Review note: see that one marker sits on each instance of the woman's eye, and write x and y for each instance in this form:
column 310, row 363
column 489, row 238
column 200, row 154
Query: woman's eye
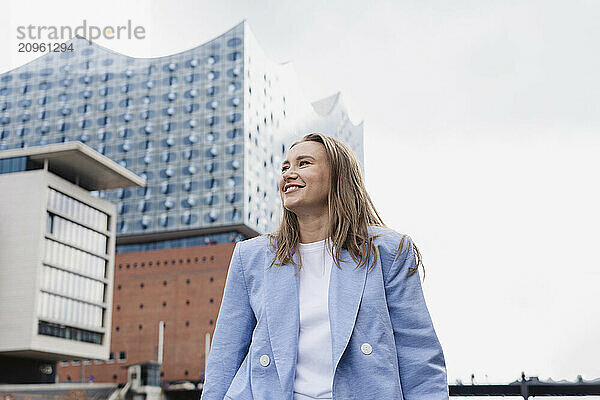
column 301, row 162
column 283, row 169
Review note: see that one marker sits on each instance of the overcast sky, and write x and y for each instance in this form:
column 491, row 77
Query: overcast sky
column 481, row 142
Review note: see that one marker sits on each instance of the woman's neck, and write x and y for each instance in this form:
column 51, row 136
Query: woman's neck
column 313, row 227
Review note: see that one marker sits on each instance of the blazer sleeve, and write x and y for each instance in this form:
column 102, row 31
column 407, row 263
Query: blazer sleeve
column 421, row 361
column 233, row 332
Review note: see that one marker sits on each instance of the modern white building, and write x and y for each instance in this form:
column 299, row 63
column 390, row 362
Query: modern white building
column 57, row 252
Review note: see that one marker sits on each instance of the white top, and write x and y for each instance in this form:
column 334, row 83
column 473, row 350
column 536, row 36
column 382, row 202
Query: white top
column 314, row 369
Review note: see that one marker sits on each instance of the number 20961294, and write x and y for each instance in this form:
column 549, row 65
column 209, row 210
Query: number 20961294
column 26, row 47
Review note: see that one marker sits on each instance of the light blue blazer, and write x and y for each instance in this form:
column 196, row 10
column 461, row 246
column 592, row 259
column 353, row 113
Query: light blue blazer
column 255, row 343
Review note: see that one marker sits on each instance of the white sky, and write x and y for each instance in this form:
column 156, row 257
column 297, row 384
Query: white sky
column 481, row 142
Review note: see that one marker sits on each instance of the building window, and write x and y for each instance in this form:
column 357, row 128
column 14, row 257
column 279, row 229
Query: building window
column 122, row 356
column 67, row 332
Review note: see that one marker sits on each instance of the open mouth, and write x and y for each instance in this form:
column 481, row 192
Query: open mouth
column 291, row 188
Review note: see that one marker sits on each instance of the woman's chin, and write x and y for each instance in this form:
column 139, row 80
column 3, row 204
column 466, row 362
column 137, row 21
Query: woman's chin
column 291, row 206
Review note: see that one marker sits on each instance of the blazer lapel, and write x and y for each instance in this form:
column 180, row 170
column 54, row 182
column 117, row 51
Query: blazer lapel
column 346, row 286
column 283, row 318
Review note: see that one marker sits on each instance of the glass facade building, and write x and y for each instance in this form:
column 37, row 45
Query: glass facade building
column 206, row 129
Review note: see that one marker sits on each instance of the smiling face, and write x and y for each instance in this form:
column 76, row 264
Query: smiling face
column 305, row 179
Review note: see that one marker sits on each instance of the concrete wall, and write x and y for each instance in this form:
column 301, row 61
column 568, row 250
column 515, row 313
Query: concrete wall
column 22, row 221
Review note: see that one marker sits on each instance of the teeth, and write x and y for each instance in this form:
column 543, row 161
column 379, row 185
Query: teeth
column 291, row 187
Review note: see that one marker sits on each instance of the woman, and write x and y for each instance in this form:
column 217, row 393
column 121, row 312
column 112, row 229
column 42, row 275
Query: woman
column 329, row 306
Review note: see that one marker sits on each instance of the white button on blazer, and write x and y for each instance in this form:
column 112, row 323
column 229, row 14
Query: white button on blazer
column 265, row 360
column 366, row 348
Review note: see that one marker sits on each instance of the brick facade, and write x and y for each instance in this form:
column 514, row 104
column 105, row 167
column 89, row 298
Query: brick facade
column 182, row 287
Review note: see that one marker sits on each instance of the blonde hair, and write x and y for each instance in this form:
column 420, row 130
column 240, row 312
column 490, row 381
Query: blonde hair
column 351, row 211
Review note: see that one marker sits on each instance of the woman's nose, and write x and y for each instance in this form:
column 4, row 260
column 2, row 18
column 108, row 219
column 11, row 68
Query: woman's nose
column 289, row 173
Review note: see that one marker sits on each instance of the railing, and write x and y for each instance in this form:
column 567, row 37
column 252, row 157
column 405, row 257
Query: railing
column 529, row 387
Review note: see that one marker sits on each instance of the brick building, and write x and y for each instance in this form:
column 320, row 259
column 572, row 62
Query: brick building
column 180, row 286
